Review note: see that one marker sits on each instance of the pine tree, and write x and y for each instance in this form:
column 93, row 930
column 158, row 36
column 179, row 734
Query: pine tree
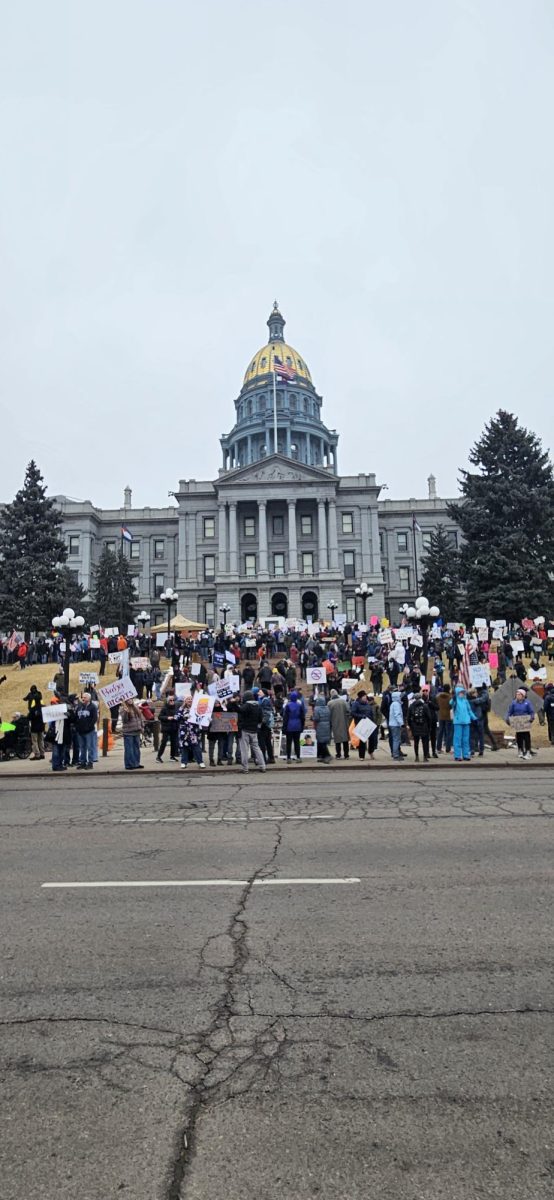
column 68, row 593
column 441, row 574
column 32, row 548
column 114, row 598
column 506, row 514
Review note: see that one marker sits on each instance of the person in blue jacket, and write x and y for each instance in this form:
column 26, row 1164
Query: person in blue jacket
column 462, row 716
column 294, row 716
column 522, row 707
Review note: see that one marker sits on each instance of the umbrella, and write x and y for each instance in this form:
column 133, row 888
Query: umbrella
column 179, row 624
column 5, row 727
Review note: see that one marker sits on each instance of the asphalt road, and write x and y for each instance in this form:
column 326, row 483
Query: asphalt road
column 387, row 1039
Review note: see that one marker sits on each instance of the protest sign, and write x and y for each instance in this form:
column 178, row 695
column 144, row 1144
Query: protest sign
column 218, row 659
column 416, row 639
column 399, row 655
column 404, row 633
column 182, row 690
column 316, row 675
column 124, row 662
column 517, row 646
column 140, row 664
column 161, row 639
column 358, row 660
column 340, row 618
column 345, row 665
column 527, row 623
column 520, row 724
column 94, row 643
column 224, row 722
column 94, row 628
column 385, row 637
column 115, row 656
column 131, row 630
column 88, row 677
column 347, row 684
column 479, row 674
column 53, row 712
column 201, row 709
column 483, row 635
column 480, row 623
column 364, row 729
column 230, row 658
column 223, row 688
column 540, row 674
column 551, row 633
column 112, row 632
column 51, row 686
column 195, row 668
column 250, row 643
column 493, row 660
column 234, row 680
column 118, row 691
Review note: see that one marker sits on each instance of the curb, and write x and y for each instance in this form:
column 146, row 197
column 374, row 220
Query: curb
column 294, row 769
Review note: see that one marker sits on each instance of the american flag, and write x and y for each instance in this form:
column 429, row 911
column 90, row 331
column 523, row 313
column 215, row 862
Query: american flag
column 465, row 674
column 283, row 371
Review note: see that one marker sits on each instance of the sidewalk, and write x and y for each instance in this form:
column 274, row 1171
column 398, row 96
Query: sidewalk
column 113, row 765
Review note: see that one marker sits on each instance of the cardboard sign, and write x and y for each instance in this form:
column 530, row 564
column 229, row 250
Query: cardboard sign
column 118, row 691
column 88, row 677
column 520, row 724
column 53, row 712
column 115, row 656
column 347, row 684
column 140, row 664
column 517, row 647
column 364, row 729
column 480, row 674
column 195, row 668
column 316, row 675
column 416, row 639
column 223, row 722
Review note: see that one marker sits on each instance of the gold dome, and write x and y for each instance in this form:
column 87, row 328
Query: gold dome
column 262, row 363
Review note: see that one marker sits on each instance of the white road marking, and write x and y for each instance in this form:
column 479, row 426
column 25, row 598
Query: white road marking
column 204, row 820
column 193, row 883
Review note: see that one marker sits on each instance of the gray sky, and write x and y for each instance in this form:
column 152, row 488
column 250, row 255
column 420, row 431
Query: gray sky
column 169, row 168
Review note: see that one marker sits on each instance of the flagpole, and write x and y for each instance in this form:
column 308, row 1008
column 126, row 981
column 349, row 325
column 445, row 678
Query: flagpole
column 274, row 410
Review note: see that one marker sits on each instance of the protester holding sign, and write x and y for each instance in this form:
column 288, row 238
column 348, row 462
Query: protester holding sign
column 132, row 725
column 520, row 717
column 170, row 730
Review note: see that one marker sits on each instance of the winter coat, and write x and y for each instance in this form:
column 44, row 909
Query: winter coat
column 521, row 708
column 85, row 718
column 250, row 714
column 396, row 712
column 419, row 718
column 361, row 709
column 340, row 718
column 294, row 715
column 443, row 701
column 168, row 717
column 322, row 720
column 462, row 711
column 131, row 722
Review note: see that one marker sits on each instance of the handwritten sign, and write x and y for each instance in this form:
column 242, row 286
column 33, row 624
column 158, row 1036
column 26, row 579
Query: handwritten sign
column 140, row 664
column 54, row 712
column 117, row 692
column 115, row 656
column 88, row 677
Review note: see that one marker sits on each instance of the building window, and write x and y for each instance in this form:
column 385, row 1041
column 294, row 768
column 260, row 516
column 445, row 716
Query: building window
column 159, row 548
column 73, row 543
column 404, row 575
column 307, row 562
column 426, row 540
column 350, row 608
column 349, row 564
column 209, row 527
column 453, row 538
column 158, row 584
column 249, row 526
column 347, row 523
column 209, row 568
column 250, row 565
column 278, row 526
column 136, row 583
column 402, row 541
column 278, row 564
column 209, row 613
column 306, row 526
column 382, row 543
column 134, row 549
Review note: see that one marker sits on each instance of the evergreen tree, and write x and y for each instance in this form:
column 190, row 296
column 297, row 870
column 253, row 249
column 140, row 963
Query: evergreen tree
column 114, row 598
column 506, row 514
column 441, row 574
column 32, row 548
column 68, row 593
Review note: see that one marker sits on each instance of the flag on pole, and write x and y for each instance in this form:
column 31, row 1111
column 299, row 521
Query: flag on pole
column 415, row 523
column 282, row 370
column 465, row 676
column 126, row 534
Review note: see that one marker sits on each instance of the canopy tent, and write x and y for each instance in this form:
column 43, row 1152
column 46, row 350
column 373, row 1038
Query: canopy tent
column 179, row 624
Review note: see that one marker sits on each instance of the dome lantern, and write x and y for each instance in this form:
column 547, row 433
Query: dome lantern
column 276, row 324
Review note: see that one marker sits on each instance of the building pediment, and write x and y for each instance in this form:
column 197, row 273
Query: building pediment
column 276, row 469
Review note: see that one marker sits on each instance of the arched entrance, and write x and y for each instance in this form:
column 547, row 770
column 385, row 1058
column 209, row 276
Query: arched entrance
column 249, row 607
column 279, row 605
column 309, row 606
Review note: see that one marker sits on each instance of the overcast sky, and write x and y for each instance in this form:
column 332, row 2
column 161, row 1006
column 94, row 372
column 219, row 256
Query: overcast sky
column 169, row 168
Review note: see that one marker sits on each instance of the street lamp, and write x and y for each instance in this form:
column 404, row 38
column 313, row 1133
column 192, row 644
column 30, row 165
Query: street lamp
column 332, row 606
column 169, row 597
column 403, row 609
column 364, row 591
column 423, row 613
column 66, row 623
column 142, row 618
column 224, row 608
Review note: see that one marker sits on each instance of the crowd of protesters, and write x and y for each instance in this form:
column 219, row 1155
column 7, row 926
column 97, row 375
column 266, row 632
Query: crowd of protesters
column 405, row 701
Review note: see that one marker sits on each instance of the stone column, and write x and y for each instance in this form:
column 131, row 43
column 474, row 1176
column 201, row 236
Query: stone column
column 182, row 552
column 322, row 535
column 287, row 446
column 366, row 563
column 293, row 548
column 376, row 549
column 308, row 449
column 192, row 565
column 262, row 536
column 222, row 539
column 146, row 580
column 333, row 537
column 85, row 572
column 233, row 539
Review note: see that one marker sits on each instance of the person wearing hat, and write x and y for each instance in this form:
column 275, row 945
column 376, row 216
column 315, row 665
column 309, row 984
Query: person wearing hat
column 522, row 707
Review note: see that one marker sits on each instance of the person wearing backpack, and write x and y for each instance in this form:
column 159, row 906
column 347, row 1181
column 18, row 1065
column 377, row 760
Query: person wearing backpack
column 419, row 720
column 265, row 732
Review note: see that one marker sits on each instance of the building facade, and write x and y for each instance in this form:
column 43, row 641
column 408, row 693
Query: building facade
column 279, row 532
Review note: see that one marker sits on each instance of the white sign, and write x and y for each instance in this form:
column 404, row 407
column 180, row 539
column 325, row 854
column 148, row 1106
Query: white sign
column 364, row 729
column 416, row 639
column 385, row 637
column 551, row 633
column 195, row 668
column 403, row 633
column 118, row 691
column 234, row 680
column 223, row 689
column 51, row 687
column 347, row 684
column 483, row 635
column 94, row 628
column 517, row 647
column 480, row 674
column 94, row 643
column 340, row 618
column 480, row 623
column 131, row 630
column 230, row 658
column 115, row 656
column 182, row 690
column 53, row 712
column 88, row 677
column 540, row 674
column 316, row 675
column 399, row 655
column 250, row 643
column 140, row 664
column 113, row 632
column 161, row 639
column 201, row 709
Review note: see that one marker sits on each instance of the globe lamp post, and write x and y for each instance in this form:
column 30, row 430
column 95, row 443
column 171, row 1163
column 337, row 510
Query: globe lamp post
column 364, row 591
column 224, row 610
column 424, row 613
column 67, row 624
column 332, row 606
column 169, row 597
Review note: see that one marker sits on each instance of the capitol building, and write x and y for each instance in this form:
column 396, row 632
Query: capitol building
column 278, row 532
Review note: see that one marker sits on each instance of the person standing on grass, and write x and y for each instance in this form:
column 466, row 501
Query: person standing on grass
column 132, row 725
column 522, row 707
column 462, row 716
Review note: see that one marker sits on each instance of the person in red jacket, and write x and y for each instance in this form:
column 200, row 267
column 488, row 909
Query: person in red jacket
column 22, row 654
